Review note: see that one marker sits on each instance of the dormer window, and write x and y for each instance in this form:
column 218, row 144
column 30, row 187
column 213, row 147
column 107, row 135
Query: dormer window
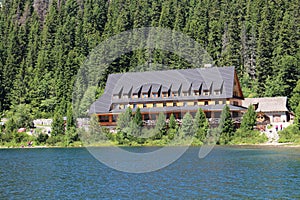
column 196, row 93
column 165, row 94
column 145, row 95
column 125, row 96
column 206, row 92
column 217, row 92
column 155, row 95
column 135, row 96
column 175, row 94
column 115, row 96
column 185, row 94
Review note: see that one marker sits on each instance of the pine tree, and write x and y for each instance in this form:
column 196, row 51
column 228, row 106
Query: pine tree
column 297, row 116
column 172, row 122
column 226, row 126
column 138, row 117
column 57, row 126
column 264, row 50
column 201, row 124
column 70, row 118
column 124, row 119
column 160, row 126
column 187, row 126
column 249, row 119
column 295, row 99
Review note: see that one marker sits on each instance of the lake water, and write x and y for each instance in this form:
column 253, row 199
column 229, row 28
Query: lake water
column 226, row 173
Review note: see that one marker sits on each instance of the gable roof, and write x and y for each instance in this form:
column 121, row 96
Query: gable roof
column 212, row 78
column 267, row 104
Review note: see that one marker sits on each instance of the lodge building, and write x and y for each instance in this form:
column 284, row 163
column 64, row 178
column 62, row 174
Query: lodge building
column 171, row 91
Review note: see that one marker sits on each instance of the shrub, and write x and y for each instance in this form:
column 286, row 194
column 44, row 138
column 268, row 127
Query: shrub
column 289, row 134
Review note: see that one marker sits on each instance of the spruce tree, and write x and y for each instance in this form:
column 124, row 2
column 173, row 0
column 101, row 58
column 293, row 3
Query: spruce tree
column 249, row 119
column 172, row 122
column 124, row 119
column 201, row 124
column 187, row 126
column 226, row 126
column 295, row 99
column 160, row 126
column 57, row 126
column 138, row 117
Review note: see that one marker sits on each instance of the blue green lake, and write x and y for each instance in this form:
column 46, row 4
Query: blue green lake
column 226, row 173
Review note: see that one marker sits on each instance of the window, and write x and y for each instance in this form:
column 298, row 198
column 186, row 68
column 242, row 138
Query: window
column 175, row 94
column 146, row 117
column 125, row 96
column 206, row 92
column 164, row 104
column 217, row 92
column 206, row 103
column 154, row 95
column 208, row 114
column 135, row 96
column 115, row 96
column 195, row 103
column 235, row 103
column 134, row 105
column 165, row 94
column 153, row 116
column 184, row 103
column 174, row 104
column 104, row 118
column 235, row 114
column 145, row 95
column 196, row 93
column 154, row 105
column 217, row 114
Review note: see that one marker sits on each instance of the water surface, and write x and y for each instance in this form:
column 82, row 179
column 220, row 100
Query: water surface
column 226, row 173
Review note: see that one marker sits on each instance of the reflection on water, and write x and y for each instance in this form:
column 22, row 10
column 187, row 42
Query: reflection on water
column 226, row 173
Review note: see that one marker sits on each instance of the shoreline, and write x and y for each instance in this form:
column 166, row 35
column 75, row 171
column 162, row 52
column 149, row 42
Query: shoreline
column 274, row 145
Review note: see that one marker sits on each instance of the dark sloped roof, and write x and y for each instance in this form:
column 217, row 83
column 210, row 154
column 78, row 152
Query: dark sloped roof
column 214, row 77
column 267, row 104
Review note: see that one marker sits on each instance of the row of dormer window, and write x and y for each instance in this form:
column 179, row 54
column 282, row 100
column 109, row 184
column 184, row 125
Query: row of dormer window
column 166, row 94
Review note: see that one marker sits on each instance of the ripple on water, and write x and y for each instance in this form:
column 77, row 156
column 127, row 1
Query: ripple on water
column 226, row 173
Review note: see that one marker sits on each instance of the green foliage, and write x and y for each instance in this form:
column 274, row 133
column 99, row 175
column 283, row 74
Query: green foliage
column 93, row 135
column 187, row 126
column 249, row 119
column 226, row 126
column 248, row 137
column 19, row 117
column 289, row 134
column 160, row 126
column 41, row 52
column 57, row 126
column 295, row 99
column 42, row 138
column 124, row 119
column 172, row 122
column 201, row 125
column 297, row 116
column 137, row 119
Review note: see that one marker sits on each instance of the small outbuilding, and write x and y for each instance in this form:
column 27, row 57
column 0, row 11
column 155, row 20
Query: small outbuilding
column 270, row 110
